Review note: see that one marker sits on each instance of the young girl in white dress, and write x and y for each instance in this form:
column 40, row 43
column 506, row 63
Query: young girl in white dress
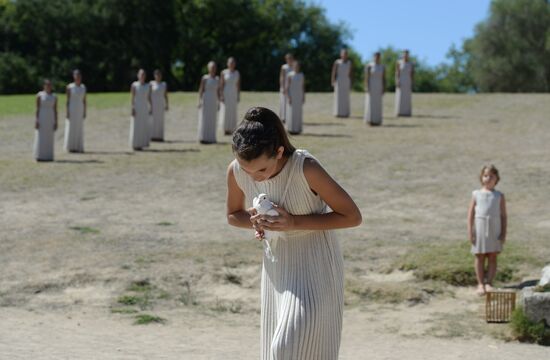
column 295, row 91
column 487, row 222
column 159, row 105
column 140, row 127
column 283, row 76
column 46, row 123
column 302, row 286
column 342, row 73
column 230, row 94
column 208, row 105
column 76, row 113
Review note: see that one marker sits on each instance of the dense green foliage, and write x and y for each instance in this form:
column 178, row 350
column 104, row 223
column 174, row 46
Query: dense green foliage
column 527, row 331
column 110, row 39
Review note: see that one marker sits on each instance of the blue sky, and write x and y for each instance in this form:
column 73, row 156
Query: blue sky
column 426, row 27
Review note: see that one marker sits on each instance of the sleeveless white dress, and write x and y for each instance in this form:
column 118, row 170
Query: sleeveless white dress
column 228, row 108
column 44, row 135
column 488, row 225
column 208, row 110
column 140, row 127
column 282, row 98
column 403, row 93
column 342, row 89
column 158, row 105
column 373, row 101
column 302, row 293
column 74, row 125
column 295, row 108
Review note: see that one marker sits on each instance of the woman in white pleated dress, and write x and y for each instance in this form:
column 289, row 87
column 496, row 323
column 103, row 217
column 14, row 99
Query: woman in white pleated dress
column 159, row 105
column 404, row 79
column 208, row 105
column 230, row 94
column 46, row 123
column 375, row 85
column 342, row 73
column 140, row 128
column 76, row 113
column 302, row 284
column 296, row 95
column 283, row 75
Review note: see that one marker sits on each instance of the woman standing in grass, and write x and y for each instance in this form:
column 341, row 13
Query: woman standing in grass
column 375, row 83
column 283, row 76
column 159, row 105
column 404, row 79
column 230, row 93
column 46, row 123
column 302, row 286
column 487, row 222
column 341, row 82
column 295, row 91
column 76, row 113
column 208, row 105
column 140, row 129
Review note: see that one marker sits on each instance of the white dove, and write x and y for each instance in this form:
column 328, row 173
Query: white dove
column 264, row 206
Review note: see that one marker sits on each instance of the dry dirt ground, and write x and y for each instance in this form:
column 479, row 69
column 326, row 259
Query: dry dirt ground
column 92, row 241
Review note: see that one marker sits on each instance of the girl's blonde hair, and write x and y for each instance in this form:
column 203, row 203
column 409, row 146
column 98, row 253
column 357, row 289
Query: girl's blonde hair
column 492, row 169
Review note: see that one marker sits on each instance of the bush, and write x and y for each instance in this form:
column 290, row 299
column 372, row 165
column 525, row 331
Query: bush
column 526, row 330
column 17, row 75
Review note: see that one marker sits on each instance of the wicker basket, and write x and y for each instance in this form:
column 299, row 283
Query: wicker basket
column 499, row 306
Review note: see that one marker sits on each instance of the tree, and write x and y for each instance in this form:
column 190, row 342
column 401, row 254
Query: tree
column 510, row 51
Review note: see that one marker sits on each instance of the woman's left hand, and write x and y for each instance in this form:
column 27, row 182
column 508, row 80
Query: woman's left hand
column 283, row 222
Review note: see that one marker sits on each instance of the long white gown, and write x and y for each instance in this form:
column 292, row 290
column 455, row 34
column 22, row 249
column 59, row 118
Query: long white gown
column 342, row 89
column 208, row 110
column 302, row 293
column 282, row 97
column 74, row 125
column 140, row 128
column 373, row 101
column 403, row 93
column 228, row 108
column 295, row 107
column 158, row 104
column 44, row 135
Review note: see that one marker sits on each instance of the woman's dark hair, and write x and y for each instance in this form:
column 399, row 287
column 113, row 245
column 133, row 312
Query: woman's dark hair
column 260, row 132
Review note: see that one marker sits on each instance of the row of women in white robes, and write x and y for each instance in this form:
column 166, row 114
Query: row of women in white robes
column 149, row 104
column 342, row 79
column 218, row 93
column 46, row 119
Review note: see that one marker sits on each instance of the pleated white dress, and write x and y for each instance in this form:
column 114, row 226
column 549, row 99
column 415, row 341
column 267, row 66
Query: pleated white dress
column 488, row 225
column 282, row 97
column 208, row 110
column 140, row 127
column 302, row 293
column 296, row 106
column 74, row 125
column 228, row 108
column 158, row 104
column 403, row 93
column 342, row 89
column 373, row 101
column 44, row 135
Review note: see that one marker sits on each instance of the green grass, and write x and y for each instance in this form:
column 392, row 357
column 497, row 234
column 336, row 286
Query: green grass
column 142, row 301
column 526, row 330
column 140, row 286
column 144, row 319
column 85, row 229
column 452, row 263
column 165, row 223
column 123, row 311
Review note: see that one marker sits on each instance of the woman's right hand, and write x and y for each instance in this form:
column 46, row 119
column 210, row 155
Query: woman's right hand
column 473, row 239
column 259, row 232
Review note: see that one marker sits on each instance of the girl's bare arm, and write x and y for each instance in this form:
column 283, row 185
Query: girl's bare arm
column 237, row 215
column 345, row 212
column 471, row 217
column 503, row 219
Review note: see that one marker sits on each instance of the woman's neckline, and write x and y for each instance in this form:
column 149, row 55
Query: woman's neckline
column 283, row 168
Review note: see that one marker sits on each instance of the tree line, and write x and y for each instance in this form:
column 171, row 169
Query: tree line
column 109, row 40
